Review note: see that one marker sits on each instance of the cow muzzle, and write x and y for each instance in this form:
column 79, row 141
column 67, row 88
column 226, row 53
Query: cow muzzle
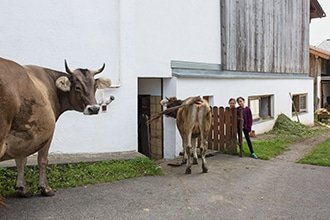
column 91, row 110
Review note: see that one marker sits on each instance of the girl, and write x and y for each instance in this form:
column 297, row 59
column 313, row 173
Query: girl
column 247, row 123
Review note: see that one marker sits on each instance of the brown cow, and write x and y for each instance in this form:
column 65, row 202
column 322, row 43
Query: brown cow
column 193, row 119
column 32, row 98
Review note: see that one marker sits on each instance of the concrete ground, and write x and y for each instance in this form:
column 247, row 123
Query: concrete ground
column 234, row 188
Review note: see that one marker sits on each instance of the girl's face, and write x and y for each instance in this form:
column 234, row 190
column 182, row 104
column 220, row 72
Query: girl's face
column 232, row 104
column 241, row 102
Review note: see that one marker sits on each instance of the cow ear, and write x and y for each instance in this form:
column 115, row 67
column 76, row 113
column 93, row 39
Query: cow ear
column 102, row 83
column 63, row 83
column 164, row 102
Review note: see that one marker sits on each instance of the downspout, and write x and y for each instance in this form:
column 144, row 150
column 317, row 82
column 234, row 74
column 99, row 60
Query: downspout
column 121, row 46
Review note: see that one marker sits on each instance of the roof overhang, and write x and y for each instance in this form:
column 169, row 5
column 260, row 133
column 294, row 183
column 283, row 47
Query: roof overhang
column 316, row 10
column 319, row 52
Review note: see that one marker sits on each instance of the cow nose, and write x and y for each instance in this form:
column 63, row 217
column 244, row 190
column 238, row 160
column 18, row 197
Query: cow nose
column 92, row 110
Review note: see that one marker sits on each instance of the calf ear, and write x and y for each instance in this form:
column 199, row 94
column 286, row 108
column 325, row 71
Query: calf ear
column 102, row 83
column 63, row 83
column 164, row 102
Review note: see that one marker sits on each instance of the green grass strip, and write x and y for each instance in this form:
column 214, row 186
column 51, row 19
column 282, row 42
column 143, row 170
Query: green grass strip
column 320, row 155
column 80, row 174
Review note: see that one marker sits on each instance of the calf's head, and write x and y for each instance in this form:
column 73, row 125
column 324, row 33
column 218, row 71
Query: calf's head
column 82, row 86
column 170, row 103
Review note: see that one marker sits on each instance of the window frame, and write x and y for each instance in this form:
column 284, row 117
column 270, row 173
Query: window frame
column 296, row 103
column 269, row 104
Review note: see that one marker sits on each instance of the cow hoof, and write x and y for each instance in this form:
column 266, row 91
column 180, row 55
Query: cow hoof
column 195, row 161
column 20, row 193
column 47, row 193
column 184, row 161
column 188, row 171
column 205, row 169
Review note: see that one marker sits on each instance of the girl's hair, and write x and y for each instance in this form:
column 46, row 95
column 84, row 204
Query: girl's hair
column 231, row 99
column 240, row 98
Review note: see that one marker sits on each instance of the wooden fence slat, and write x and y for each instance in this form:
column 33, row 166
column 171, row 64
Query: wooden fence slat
column 228, row 129
column 234, row 130
column 216, row 128
column 221, row 128
column 210, row 139
column 240, row 135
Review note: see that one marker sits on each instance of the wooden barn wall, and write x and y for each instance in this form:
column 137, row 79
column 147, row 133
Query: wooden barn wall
column 315, row 66
column 265, row 35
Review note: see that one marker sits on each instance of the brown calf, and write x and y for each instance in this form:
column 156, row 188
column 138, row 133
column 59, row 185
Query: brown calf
column 193, row 119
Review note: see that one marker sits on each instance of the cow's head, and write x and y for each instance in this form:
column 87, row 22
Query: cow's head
column 170, row 103
column 81, row 86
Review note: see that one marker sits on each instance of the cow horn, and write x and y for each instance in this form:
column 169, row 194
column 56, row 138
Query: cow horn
column 99, row 70
column 67, row 69
column 166, row 98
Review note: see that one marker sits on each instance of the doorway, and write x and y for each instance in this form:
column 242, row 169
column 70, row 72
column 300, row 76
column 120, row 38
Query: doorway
column 150, row 137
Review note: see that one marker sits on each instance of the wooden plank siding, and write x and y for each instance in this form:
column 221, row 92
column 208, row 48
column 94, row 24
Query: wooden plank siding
column 265, row 35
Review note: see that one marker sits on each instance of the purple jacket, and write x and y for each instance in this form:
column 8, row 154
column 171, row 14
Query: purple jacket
column 247, row 117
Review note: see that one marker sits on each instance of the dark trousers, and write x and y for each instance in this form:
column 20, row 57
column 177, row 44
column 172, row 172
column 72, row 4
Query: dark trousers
column 248, row 140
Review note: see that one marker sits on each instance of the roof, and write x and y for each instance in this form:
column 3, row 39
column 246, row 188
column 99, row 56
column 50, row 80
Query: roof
column 316, row 10
column 317, row 51
column 325, row 45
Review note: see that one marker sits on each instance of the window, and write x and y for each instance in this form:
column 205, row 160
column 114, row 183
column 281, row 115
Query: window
column 299, row 103
column 261, row 106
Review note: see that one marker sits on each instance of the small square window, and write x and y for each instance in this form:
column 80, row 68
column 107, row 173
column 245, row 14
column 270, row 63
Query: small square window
column 299, row 103
column 261, row 106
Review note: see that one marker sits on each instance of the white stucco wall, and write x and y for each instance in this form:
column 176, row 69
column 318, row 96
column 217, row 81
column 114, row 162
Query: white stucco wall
column 87, row 34
column 222, row 89
column 134, row 38
column 175, row 30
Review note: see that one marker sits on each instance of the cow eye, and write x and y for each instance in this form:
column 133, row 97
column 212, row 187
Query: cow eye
column 78, row 89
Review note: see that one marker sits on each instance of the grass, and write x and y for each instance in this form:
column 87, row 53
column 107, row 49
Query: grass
column 320, row 155
column 80, row 174
column 285, row 132
column 266, row 149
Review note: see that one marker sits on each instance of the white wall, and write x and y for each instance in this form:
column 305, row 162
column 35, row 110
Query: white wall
column 134, row 38
column 223, row 89
column 47, row 32
column 175, row 30
column 87, row 34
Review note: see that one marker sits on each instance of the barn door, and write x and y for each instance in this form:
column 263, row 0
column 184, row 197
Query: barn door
column 150, row 138
column 143, row 129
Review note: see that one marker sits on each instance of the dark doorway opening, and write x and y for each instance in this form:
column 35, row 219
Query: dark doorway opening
column 150, row 138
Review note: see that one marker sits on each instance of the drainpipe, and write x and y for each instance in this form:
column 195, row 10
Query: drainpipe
column 120, row 41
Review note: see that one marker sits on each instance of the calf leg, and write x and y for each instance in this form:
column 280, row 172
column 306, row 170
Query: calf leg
column 185, row 156
column 188, row 152
column 42, row 163
column 194, row 148
column 203, row 148
column 188, row 165
column 21, row 187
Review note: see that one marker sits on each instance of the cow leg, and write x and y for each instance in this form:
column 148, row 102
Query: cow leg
column 42, row 164
column 188, row 152
column 21, row 187
column 194, row 148
column 185, row 156
column 203, row 155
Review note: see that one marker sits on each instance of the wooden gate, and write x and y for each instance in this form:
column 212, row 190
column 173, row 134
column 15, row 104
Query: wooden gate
column 223, row 133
